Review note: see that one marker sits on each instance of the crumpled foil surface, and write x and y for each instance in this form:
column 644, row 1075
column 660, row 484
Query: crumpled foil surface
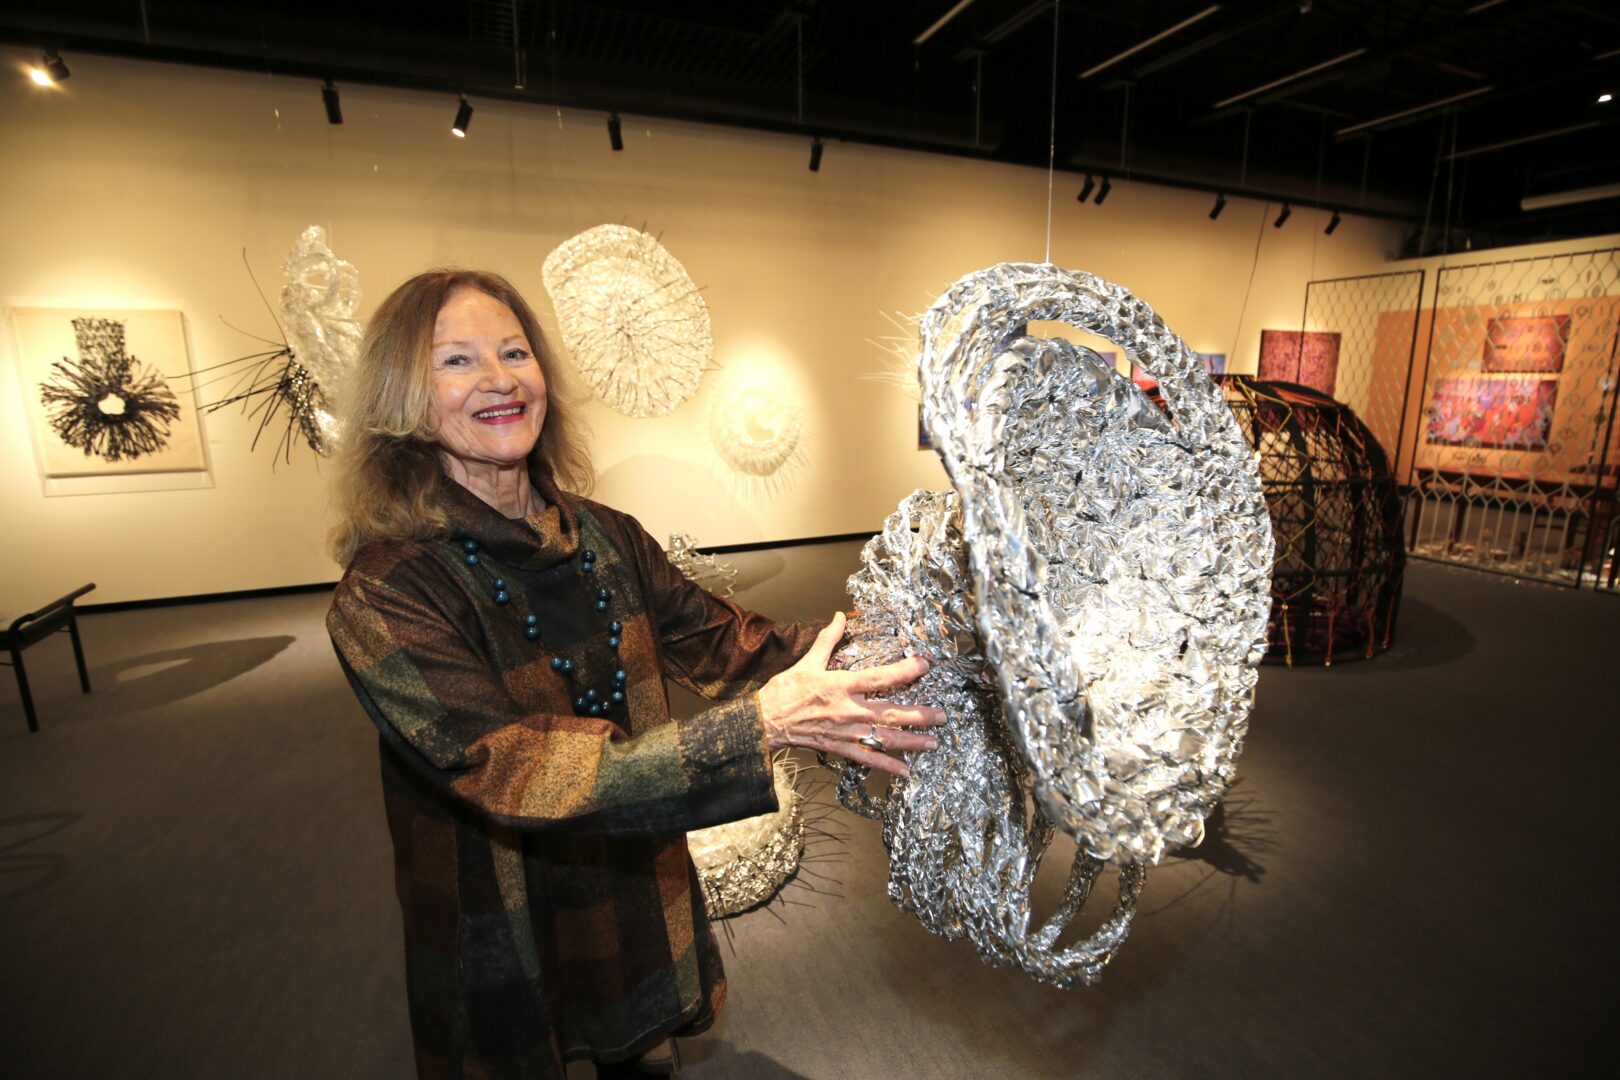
column 1093, row 597
column 635, row 324
column 706, row 570
column 318, row 300
column 743, row 863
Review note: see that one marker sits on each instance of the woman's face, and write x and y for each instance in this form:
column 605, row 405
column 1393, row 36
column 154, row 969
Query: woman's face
column 489, row 393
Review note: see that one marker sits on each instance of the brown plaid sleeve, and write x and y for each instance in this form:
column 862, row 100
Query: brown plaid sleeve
column 713, row 647
column 430, row 687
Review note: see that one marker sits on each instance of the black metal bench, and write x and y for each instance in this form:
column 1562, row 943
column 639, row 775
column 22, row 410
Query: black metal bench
column 26, row 630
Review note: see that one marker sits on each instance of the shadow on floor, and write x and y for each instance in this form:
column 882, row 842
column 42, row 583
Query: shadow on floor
column 1425, row 637
column 1232, row 835
column 161, row 678
column 23, row 872
column 723, row 1061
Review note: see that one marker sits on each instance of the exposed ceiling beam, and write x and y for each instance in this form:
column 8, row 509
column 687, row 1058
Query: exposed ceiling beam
column 1150, row 42
column 1471, row 21
column 1208, row 41
column 1521, row 140
column 1286, row 79
column 1413, row 113
column 1017, row 22
column 939, row 23
column 1571, row 198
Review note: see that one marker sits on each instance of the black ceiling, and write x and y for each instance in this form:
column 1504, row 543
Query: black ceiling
column 1444, row 113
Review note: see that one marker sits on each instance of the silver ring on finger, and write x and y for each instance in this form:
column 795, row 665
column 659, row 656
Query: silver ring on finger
column 872, row 742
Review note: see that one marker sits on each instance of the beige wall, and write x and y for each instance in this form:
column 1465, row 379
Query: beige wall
column 141, row 184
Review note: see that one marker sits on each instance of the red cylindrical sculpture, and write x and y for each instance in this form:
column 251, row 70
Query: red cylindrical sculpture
column 1336, row 514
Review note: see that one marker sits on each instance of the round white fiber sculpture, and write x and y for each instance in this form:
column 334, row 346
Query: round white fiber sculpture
column 743, row 864
column 1093, row 596
column 634, row 323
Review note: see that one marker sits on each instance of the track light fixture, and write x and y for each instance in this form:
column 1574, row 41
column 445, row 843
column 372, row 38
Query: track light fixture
column 1220, row 204
column 615, row 134
column 1085, row 190
column 51, row 69
column 815, row 156
column 1102, row 192
column 463, row 119
column 334, row 109
column 1287, row 212
column 1333, row 223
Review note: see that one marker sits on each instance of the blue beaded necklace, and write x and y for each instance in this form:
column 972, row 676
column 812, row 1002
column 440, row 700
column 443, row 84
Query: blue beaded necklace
column 588, row 701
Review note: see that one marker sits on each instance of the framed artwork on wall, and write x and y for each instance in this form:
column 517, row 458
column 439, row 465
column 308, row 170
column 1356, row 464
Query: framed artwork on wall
column 108, row 394
column 1492, row 414
column 1526, row 343
column 1307, row 357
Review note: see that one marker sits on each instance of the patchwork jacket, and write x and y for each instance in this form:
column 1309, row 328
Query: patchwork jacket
column 551, row 910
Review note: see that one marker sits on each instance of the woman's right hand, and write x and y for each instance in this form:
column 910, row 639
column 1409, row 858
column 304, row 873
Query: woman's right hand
column 807, row 705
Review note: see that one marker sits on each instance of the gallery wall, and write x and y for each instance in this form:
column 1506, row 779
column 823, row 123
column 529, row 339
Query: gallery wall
column 139, row 185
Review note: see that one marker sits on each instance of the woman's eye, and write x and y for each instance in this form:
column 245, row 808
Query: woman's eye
column 515, row 355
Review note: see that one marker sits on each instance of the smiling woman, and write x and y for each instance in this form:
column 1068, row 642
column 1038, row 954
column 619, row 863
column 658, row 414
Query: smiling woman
column 510, row 640
column 489, row 398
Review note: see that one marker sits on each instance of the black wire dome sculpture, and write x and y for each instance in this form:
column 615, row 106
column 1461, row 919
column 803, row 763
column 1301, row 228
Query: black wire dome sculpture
column 108, row 403
column 1336, row 516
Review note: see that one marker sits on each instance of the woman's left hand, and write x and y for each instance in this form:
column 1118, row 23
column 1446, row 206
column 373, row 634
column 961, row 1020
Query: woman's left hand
column 830, row 711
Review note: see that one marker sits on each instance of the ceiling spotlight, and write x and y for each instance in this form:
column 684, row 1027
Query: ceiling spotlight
column 1287, row 212
column 615, row 135
column 815, row 156
column 334, row 110
column 1085, row 191
column 1603, row 99
column 1102, row 192
column 463, row 118
column 1333, row 223
column 51, row 70
column 1220, row 204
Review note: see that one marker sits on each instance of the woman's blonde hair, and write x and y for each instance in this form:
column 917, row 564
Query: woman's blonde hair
column 388, row 457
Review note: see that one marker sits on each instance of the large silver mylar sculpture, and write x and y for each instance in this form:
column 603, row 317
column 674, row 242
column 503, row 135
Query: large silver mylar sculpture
column 1093, row 597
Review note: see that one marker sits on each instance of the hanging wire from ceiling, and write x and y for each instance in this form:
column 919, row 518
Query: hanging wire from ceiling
column 1051, row 146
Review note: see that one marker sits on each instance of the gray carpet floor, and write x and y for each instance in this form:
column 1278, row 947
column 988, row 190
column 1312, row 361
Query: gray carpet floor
column 1414, row 877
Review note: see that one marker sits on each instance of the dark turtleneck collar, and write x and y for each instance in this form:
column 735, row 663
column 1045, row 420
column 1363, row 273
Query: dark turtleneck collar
column 536, row 542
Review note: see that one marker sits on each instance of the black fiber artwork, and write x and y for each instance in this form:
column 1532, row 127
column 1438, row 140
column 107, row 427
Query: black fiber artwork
column 275, row 384
column 107, row 403
column 290, row 384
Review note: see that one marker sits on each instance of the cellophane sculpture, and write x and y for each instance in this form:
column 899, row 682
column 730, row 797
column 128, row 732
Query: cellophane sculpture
column 319, row 295
column 1092, row 595
column 301, row 377
column 742, row 864
column 706, row 570
column 634, row 323
column 1336, row 512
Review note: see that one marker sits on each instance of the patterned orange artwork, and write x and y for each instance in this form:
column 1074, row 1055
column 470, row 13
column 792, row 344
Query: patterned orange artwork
column 1497, row 414
column 1526, row 343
